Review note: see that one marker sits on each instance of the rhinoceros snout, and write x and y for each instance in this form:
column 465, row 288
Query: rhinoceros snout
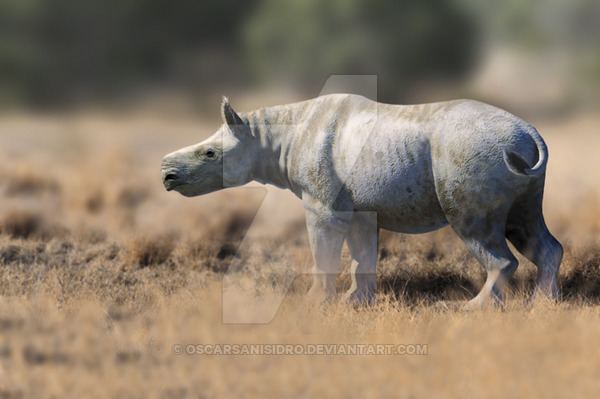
column 170, row 180
column 171, row 177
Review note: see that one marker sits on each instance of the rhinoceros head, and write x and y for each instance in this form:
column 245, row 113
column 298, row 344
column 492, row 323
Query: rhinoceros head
column 223, row 160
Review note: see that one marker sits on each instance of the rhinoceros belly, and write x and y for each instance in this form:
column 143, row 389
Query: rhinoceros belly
column 400, row 189
column 402, row 206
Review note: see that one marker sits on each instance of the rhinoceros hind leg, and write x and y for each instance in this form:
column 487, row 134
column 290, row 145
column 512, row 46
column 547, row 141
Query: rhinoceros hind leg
column 499, row 264
column 527, row 231
column 484, row 235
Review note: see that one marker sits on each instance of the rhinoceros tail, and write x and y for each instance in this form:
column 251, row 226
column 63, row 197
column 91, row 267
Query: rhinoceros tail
column 519, row 166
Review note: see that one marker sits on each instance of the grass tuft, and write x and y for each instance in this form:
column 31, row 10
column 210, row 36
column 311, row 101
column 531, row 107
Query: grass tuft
column 149, row 250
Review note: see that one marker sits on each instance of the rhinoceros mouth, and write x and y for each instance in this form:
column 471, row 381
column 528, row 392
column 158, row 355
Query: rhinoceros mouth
column 172, row 185
column 178, row 187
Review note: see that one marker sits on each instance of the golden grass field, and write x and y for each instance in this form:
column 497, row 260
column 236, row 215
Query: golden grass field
column 102, row 273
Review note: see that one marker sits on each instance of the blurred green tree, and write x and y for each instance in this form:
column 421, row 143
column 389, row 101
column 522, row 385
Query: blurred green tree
column 405, row 42
column 57, row 50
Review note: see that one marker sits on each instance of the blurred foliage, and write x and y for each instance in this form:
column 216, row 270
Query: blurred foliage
column 61, row 51
column 541, row 24
column 55, row 49
column 404, row 42
column 549, row 31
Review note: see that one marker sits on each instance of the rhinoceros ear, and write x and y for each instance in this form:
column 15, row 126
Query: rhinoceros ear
column 231, row 118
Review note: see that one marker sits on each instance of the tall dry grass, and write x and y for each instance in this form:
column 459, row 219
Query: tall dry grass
column 102, row 273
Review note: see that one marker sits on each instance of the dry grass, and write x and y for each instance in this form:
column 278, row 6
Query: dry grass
column 24, row 181
column 150, row 250
column 27, row 224
column 101, row 273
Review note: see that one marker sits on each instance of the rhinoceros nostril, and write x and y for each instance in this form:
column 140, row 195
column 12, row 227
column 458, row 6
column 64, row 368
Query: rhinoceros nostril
column 170, row 177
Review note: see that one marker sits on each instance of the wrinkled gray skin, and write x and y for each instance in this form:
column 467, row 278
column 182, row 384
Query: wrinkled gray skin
column 359, row 166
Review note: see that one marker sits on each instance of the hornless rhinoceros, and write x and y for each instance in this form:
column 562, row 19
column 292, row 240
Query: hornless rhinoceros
column 416, row 167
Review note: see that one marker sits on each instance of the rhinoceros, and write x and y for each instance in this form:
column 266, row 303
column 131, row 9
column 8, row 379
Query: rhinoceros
column 359, row 166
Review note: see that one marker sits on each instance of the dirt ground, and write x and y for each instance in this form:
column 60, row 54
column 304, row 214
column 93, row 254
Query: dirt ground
column 103, row 275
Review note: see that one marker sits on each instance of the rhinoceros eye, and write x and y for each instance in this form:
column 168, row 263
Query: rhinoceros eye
column 210, row 153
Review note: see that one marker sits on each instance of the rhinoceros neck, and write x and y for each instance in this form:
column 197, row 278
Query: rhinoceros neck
column 275, row 127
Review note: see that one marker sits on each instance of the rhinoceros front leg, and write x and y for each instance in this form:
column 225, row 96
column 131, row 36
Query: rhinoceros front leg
column 326, row 233
column 363, row 242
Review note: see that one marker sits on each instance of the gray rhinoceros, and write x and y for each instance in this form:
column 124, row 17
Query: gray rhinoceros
column 416, row 167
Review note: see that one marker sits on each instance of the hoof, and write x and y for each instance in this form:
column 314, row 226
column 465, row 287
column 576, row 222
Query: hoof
column 548, row 292
column 479, row 303
column 472, row 306
column 542, row 297
column 451, row 306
